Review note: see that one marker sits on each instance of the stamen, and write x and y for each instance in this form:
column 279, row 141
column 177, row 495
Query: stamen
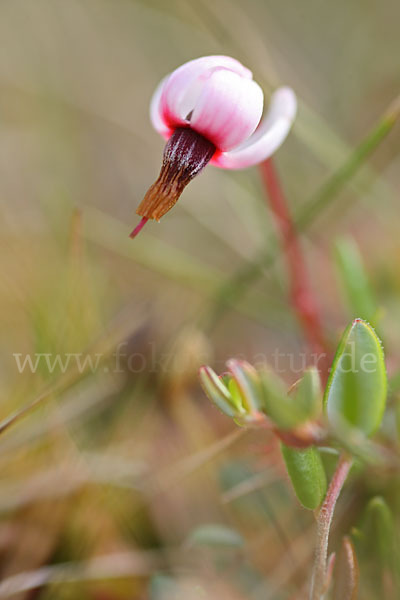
column 185, row 155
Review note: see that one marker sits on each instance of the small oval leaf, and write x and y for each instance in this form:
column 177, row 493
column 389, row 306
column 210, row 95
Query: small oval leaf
column 284, row 409
column 215, row 535
column 217, row 391
column 307, row 394
column 356, row 391
column 354, row 279
column 307, row 474
column 379, row 529
column 247, row 383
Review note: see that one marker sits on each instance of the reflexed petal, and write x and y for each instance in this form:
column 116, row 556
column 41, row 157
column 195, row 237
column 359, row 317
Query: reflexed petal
column 184, row 85
column 268, row 137
column 156, row 114
column 228, row 109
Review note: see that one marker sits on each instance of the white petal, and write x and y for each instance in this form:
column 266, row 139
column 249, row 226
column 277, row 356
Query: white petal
column 268, row 137
column 228, row 109
column 156, row 114
column 184, row 85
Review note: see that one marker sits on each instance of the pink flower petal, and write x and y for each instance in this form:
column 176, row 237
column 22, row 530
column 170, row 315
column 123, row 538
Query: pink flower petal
column 156, row 114
column 184, row 85
column 228, row 109
column 268, row 137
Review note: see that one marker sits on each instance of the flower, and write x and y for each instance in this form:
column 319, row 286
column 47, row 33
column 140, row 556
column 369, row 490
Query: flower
column 209, row 110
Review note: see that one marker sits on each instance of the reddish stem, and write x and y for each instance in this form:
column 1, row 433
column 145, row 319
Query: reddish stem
column 324, row 521
column 138, row 228
column 302, row 296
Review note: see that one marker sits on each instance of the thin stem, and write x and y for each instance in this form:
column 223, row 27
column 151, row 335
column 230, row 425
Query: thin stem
column 138, row 228
column 230, row 291
column 302, row 295
column 324, row 521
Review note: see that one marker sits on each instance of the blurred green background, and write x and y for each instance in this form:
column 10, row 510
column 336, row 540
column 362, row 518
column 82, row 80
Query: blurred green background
column 120, row 463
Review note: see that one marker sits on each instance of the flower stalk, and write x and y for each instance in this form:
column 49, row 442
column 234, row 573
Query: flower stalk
column 324, row 521
column 302, row 296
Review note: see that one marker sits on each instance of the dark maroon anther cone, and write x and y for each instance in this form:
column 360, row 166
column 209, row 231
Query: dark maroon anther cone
column 185, row 155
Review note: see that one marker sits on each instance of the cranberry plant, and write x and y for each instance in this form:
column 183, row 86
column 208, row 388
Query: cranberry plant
column 309, row 421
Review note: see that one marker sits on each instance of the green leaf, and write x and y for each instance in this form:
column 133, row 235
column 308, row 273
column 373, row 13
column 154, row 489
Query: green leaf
column 286, row 410
column 217, row 391
column 307, row 474
column 307, row 394
column 356, row 391
column 248, row 386
column 235, row 393
column 354, row 280
column 379, row 529
column 215, row 535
